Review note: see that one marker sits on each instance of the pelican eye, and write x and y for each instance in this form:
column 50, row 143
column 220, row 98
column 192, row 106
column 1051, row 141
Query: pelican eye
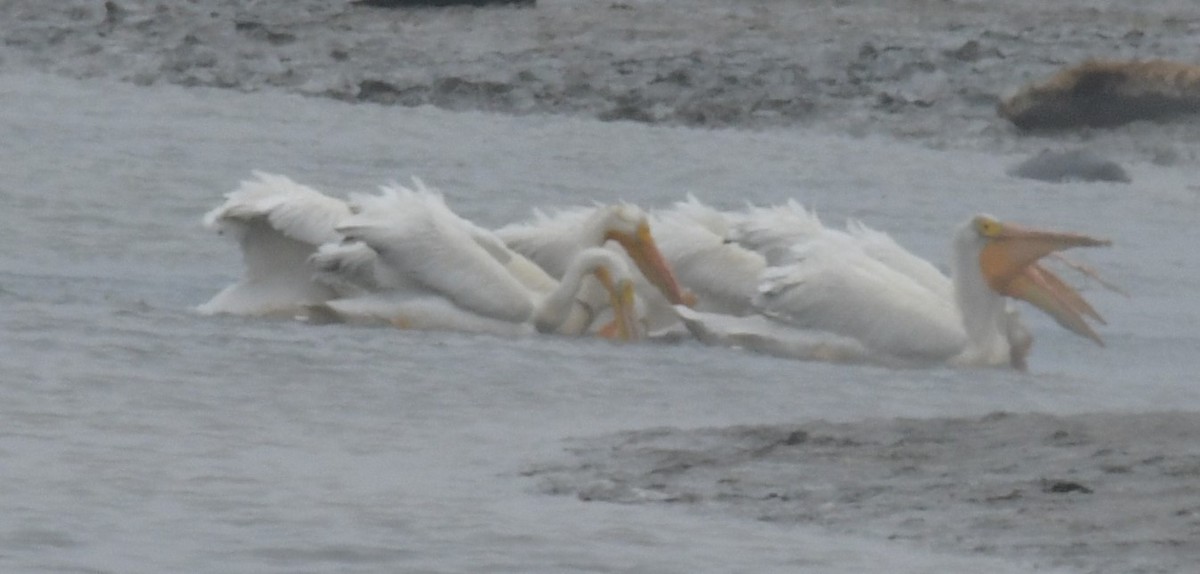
column 987, row 227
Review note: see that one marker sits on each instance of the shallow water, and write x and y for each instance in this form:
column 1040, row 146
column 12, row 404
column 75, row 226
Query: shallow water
column 141, row 437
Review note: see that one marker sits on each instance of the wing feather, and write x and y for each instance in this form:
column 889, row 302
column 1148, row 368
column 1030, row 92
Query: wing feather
column 772, row 231
column 296, row 211
column 349, row 268
column 417, row 312
column 417, row 235
column 884, row 249
column 722, row 275
column 834, row 287
column 278, row 224
column 550, row 240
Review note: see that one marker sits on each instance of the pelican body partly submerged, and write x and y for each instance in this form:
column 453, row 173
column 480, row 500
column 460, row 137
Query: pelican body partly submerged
column 876, row 300
column 404, row 258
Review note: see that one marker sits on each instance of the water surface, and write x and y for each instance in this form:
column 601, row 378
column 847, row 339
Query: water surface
column 139, row 436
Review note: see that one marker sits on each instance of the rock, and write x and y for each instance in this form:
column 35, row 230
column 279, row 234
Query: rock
column 1102, row 93
column 1070, row 165
column 1064, row 487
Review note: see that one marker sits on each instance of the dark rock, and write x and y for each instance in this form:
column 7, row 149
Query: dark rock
column 259, row 31
column 1071, row 165
column 968, row 52
column 381, row 92
column 1106, row 94
column 113, row 13
column 1065, row 487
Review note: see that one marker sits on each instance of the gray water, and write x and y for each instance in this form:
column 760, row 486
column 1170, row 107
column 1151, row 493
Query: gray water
column 138, row 436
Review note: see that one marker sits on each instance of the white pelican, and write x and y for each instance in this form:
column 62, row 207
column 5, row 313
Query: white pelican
column 416, row 264
column 278, row 224
column 759, row 250
column 695, row 240
column 552, row 241
column 281, row 226
column 863, row 286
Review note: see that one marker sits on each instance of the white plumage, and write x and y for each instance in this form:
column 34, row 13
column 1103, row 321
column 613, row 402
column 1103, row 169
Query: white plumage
column 879, row 302
column 695, row 240
column 833, row 284
column 771, row 278
column 552, row 241
column 405, row 258
column 278, row 224
column 417, row 264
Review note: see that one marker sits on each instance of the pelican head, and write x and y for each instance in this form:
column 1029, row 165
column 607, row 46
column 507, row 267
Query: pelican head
column 1007, row 259
column 625, row 326
column 629, row 226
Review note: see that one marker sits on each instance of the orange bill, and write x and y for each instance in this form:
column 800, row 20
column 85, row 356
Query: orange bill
column 624, row 326
column 642, row 248
column 1009, row 265
column 1047, row 292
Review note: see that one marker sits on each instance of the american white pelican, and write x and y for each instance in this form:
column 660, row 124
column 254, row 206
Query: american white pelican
column 863, row 286
column 412, row 262
column 758, row 245
column 278, row 224
column 284, row 228
column 552, row 242
column 696, row 240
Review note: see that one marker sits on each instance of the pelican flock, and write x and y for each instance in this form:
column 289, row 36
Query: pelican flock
column 771, row 279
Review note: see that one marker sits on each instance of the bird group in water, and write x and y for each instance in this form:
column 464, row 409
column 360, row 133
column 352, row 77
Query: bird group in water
column 770, row 279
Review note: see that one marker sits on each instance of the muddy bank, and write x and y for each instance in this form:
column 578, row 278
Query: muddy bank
column 1104, row 493
column 914, row 68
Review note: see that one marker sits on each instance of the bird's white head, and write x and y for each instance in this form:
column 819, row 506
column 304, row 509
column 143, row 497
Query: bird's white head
column 625, row 325
column 629, row 226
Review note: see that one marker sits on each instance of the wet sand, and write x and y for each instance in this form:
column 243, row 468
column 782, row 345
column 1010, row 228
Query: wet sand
column 1103, row 493
column 933, row 70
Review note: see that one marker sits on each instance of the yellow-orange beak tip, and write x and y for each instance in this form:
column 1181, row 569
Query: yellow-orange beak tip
column 689, row 299
column 622, row 299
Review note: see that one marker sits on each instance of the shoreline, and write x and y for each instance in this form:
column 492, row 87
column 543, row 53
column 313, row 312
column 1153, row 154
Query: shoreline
column 912, row 70
column 1104, row 492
